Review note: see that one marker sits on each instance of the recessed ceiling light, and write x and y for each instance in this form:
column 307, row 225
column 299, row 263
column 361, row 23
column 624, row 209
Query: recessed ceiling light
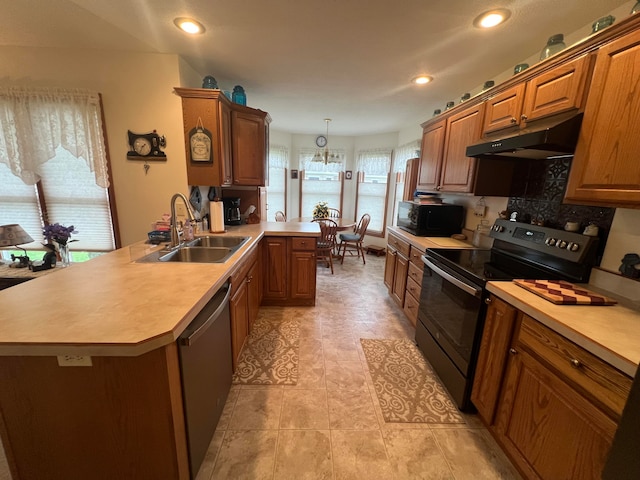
column 189, row 25
column 422, row 79
column 491, row 18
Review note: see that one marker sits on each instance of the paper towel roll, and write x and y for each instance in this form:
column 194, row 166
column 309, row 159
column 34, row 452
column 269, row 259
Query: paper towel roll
column 216, row 213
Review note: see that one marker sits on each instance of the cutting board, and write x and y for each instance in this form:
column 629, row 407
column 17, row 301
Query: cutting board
column 448, row 242
column 564, row 293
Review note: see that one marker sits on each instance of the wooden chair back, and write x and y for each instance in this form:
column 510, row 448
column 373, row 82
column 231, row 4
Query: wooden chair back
column 327, row 240
column 334, row 213
column 280, row 216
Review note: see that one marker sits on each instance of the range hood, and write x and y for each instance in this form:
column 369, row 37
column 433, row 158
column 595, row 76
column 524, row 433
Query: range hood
column 557, row 139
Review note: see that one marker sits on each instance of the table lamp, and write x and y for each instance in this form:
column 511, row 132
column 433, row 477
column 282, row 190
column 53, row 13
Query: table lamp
column 14, row 235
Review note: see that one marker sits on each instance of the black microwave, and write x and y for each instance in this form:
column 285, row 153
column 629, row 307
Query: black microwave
column 431, row 220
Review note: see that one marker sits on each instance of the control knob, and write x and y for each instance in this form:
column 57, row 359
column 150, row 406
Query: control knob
column 561, row 244
column 550, row 241
column 498, row 228
column 573, row 246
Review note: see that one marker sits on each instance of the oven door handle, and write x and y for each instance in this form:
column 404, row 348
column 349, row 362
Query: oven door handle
column 450, row 278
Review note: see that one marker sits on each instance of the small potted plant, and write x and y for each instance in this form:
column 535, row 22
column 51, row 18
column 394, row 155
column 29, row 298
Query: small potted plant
column 321, row 210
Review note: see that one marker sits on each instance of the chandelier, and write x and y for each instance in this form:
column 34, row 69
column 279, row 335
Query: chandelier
column 326, row 156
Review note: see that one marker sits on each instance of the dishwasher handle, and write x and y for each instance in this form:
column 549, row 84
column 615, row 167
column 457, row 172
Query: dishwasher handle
column 192, row 337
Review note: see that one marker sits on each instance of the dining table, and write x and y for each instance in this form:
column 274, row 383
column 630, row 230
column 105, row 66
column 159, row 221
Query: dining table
column 342, row 223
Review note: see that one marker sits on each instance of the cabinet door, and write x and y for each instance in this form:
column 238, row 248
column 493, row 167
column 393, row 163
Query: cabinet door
column 458, row 170
column 390, row 267
column 549, row 429
column 492, row 358
column 504, row 110
column 400, row 279
column 411, row 179
column 239, row 310
column 249, row 153
column 225, row 144
column 560, row 90
column 431, row 156
column 605, row 169
column 274, row 272
column 303, row 276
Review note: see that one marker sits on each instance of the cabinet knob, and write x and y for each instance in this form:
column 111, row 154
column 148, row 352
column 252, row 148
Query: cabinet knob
column 513, row 120
column 513, row 351
column 575, row 363
column 487, row 301
column 438, row 187
column 249, row 278
column 523, row 117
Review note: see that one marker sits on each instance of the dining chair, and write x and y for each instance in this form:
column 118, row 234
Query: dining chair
column 327, row 240
column 334, row 213
column 352, row 242
column 280, row 217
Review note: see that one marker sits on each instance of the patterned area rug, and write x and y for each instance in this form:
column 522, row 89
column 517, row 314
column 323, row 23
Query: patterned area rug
column 407, row 388
column 270, row 353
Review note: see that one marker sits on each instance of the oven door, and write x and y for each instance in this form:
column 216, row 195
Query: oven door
column 451, row 309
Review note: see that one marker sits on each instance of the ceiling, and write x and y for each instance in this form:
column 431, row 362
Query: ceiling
column 303, row 61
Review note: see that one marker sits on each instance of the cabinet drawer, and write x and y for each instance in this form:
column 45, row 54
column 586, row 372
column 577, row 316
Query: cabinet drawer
column 605, row 385
column 303, row 243
column 413, row 288
column 411, row 307
column 415, row 273
column 415, row 257
column 400, row 245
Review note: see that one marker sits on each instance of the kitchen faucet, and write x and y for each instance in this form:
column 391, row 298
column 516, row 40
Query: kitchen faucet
column 175, row 234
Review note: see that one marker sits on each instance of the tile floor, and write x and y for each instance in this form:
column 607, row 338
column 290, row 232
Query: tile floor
column 329, row 425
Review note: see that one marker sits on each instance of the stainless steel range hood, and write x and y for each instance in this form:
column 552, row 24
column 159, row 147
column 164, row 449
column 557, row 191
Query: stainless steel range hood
column 550, row 140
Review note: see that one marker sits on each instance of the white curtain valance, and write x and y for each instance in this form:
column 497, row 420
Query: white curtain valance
column 404, row 153
column 36, row 121
column 278, row 156
column 374, row 162
column 306, row 157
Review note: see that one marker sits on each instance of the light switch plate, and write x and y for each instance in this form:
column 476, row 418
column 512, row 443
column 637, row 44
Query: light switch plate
column 74, row 361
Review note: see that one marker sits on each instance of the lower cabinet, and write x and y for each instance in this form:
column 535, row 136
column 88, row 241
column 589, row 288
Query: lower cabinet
column 414, row 284
column 553, row 406
column 289, row 271
column 245, row 301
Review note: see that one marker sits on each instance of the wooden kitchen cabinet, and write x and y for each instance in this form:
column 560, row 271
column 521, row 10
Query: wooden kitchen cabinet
column 244, row 302
column 239, row 140
column 605, row 168
column 397, row 267
column 289, row 271
column 411, row 179
column 561, row 89
column 551, row 405
column 413, row 285
column 431, row 151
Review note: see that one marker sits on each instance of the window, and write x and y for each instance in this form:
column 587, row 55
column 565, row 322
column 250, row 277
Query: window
column 372, row 188
column 320, row 182
column 277, row 189
column 61, row 176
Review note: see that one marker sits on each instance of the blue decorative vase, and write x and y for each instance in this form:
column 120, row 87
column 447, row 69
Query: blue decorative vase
column 239, row 96
column 209, row 82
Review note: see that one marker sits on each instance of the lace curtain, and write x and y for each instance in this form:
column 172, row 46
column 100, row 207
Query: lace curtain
column 36, row 121
column 307, row 163
column 374, row 162
column 404, row 153
column 278, row 156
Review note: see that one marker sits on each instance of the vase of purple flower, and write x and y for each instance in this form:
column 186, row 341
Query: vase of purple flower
column 60, row 237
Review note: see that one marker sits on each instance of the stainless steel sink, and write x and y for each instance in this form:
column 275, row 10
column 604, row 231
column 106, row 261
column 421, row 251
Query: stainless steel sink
column 197, row 255
column 217, row 241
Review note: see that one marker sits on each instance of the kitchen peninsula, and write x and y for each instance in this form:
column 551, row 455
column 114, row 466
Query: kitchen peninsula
column 119, row 412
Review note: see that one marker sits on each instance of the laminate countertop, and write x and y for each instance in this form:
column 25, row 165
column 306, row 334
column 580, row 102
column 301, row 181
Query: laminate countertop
column 430, row 242
column 611, row 333
column 112, row 306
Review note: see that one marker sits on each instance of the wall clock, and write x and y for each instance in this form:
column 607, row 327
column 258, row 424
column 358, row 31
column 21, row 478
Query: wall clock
column 321, row 141
column 146, row 146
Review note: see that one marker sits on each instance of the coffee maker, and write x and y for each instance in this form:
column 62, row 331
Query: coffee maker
column 232, row 211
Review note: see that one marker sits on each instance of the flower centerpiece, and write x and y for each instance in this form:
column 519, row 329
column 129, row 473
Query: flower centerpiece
column 321, row 210
column 60, row 237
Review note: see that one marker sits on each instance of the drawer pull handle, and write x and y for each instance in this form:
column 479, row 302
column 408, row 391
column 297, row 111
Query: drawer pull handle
column 513, row 351
column 575, row 363
column 487, row 301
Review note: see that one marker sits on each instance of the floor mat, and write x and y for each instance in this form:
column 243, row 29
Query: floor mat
column 407, row 388
column 270, row 353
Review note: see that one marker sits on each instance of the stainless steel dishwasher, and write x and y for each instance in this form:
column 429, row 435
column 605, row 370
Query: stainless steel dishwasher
column 205, row 364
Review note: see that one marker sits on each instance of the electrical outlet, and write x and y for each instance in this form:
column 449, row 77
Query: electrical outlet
column 180, row 210
column 480, row 210
column 74, row 361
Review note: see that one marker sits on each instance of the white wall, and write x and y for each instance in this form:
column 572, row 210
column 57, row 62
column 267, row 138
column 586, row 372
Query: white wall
column 137, row 94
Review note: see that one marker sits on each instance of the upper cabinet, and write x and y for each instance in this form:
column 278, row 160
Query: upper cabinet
column 559, row 90
column 444, row 166
column 605, row 168
column 238, row 139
